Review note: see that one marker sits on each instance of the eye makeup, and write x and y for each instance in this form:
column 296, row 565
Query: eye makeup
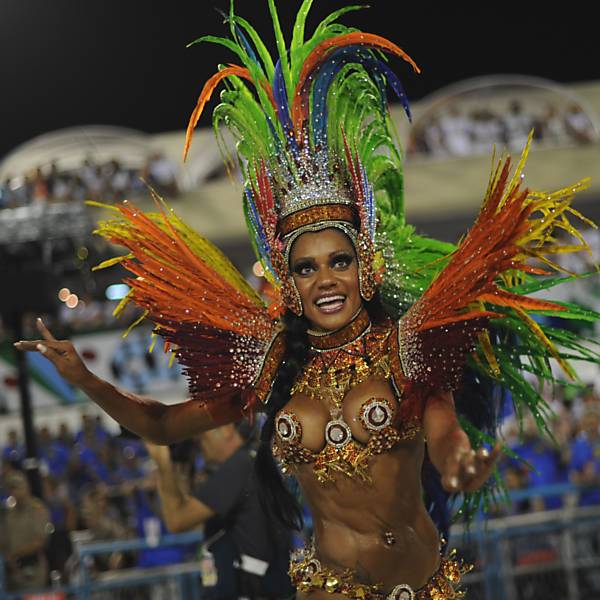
column 303, row 267
column 343, row 259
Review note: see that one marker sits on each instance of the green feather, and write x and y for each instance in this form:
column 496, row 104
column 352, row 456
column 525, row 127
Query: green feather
column 261, row 49
column 281, row 49
column 334, row 16
column 298, row 34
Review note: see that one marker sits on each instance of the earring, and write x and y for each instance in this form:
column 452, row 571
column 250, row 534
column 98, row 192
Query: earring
column 290, row 296
column 366, row 277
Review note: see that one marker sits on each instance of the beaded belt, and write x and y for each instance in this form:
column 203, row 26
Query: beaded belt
column 307, row 574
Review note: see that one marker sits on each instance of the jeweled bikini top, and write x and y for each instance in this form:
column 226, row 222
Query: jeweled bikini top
column 338, row 362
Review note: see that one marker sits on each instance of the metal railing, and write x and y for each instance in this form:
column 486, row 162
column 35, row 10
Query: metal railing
column 181, row 580
column 534, row 556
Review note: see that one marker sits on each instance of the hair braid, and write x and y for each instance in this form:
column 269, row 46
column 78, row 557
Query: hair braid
column 278, row 499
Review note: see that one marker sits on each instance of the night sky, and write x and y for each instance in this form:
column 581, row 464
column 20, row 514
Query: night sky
column 69, row 62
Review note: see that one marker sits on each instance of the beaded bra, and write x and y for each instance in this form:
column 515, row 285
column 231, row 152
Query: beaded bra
column 338, row 362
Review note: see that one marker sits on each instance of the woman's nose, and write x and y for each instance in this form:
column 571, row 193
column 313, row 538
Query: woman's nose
column 325, row 278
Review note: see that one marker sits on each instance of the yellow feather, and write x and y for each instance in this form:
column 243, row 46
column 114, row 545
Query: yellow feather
column 537, row 331
column 135, row 323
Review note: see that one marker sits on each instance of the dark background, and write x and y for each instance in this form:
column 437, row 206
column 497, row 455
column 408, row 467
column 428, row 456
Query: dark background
column 81, row 62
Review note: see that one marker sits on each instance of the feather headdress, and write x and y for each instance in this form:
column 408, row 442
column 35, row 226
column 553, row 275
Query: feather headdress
column 314, row 137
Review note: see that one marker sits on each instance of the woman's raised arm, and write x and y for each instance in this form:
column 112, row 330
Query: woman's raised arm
column 152, row 420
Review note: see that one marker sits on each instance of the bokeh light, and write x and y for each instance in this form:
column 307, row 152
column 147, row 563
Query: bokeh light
column 72, row 301
column 258, row 270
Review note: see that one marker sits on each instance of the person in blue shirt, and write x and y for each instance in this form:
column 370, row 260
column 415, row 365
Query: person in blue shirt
column 53, row 453
column 549, row 465
column 585, row 457
column 14, row 451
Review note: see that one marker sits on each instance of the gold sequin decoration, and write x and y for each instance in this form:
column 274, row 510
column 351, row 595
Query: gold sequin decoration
column 308, row 574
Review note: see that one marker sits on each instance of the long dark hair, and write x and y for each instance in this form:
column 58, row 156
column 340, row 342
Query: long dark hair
column 276, row 497
column 274, row 494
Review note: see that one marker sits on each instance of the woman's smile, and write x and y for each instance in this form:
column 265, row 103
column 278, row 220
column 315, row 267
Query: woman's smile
column 330, row 304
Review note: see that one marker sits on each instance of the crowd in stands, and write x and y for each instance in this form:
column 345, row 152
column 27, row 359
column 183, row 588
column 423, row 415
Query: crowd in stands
column 104, row 484
column 95, row 483
column 574, row 458
column 459, row 133
column 109, row 181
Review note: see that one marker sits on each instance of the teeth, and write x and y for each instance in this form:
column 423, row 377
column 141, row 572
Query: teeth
column 329, row 299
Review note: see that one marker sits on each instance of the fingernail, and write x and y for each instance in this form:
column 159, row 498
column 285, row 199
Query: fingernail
column 485, row 453
column 454, row 482
column 16, row 343
column 42, row 348
column 471, row 470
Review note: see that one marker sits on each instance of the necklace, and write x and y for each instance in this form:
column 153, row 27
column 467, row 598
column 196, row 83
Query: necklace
column 322, row 341
column 335, row 369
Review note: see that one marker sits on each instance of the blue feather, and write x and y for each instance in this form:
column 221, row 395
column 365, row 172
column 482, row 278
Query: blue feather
column 263, row 246
column 322, row 82
column 379, row 71
column 246, row 45
column 369, row 204
column 382, row 68
column 273, row 133
column 283, row 108
column 255, row 220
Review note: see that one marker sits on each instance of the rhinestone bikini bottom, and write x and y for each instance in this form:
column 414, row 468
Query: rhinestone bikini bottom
column 307, row 574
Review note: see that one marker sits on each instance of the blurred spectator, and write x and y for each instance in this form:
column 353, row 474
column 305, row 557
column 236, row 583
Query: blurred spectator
column 92, row 431
column 64, row 436
column 25, row 527
column 584, row 401
column 578, row 124
column 161, row 173
column 119, row 181
column 98, row 461
column 102, row 524
column 23, row 193
column 7, row 198
column 14, row 450
column 585, row 461
column 78, row 190
column 61, row 191
column 553, row 125
column 517, row 125
column 64, row 520
column 39, row 188
column 549, row 464
column 486, row 129
column 456, row 132
column 53, row 453
column 100, row 181
column 52, row 178
column 433, row 138
column 91, row 176
column 474, row 128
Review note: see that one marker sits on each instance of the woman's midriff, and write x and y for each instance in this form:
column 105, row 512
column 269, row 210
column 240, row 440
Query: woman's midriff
column 379, row 530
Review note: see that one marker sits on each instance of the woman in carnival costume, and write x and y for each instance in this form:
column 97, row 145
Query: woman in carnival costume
column 382, row 362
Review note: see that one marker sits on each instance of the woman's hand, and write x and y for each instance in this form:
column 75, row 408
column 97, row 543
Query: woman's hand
column 61, row 353
column 462, row 469
column 466, row 470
